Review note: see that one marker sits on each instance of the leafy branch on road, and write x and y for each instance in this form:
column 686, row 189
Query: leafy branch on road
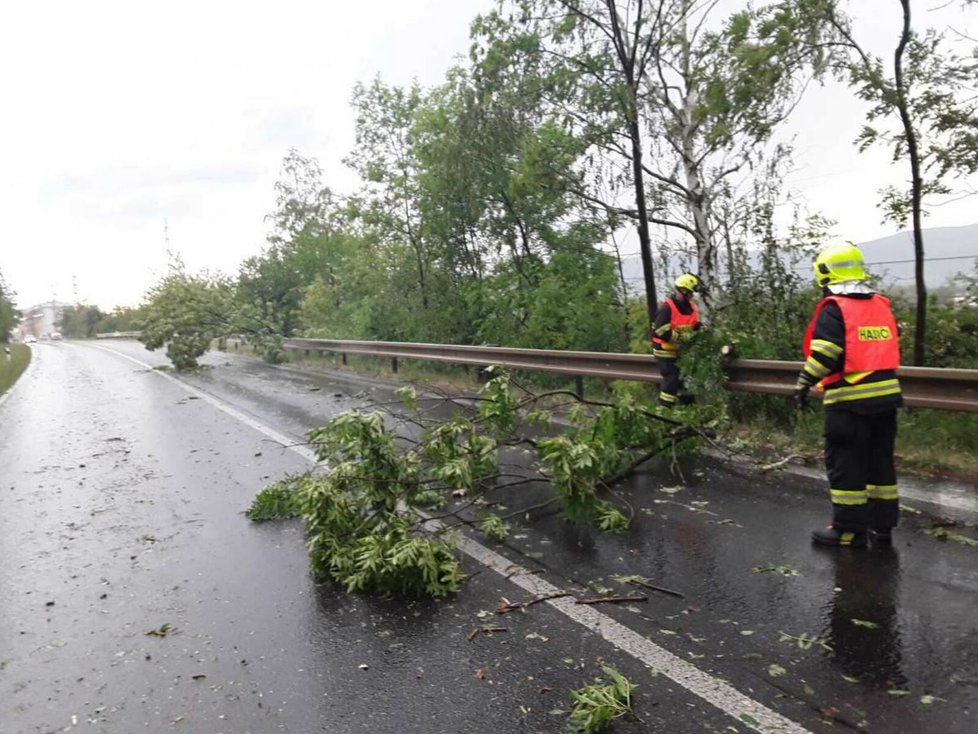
column 366, row 505
column 596, row 705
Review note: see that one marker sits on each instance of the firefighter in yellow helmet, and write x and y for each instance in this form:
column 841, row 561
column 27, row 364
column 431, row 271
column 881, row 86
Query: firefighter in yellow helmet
column 676, row 315
column 852, row 352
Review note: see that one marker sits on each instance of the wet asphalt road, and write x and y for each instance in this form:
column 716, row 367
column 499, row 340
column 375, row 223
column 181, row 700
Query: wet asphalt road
column 120, row 501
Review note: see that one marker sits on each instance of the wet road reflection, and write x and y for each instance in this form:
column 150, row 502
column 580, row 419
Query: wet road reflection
column 863, row 625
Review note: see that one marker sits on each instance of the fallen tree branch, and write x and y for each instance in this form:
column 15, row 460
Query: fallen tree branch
column 505, row 605
column 778, row 464
column 653, row 587
column 611, row 599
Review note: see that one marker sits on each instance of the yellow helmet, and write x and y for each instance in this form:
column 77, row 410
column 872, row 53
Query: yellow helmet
column 839, row 263
column 689, row 282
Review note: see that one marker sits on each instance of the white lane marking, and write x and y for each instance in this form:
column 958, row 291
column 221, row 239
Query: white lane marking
column 722, row 695
column 713, row 690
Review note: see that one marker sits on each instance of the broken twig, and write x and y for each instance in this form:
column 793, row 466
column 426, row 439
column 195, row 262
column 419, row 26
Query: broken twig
column 505, row 605
column 611, row 599
column 653, row 587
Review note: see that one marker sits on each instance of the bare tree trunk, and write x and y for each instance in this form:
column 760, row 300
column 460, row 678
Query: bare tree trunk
column 645, row 242
column 621, row 279
column 696, row 199
column 920, row 329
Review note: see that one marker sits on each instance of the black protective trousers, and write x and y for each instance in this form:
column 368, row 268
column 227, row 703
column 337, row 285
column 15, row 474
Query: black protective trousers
column 672, row 383
column 861, row 470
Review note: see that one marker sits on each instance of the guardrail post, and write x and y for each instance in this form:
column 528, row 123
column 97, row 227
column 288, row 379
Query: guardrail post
column 306, row 351
column 344, row 358
column 394, row 364
column 579, row 386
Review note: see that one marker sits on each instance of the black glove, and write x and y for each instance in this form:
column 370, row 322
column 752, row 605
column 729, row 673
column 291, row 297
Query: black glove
column 800, row 396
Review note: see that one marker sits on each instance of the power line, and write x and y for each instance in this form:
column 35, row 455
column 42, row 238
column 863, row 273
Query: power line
column 904, row 262
column 926, row 260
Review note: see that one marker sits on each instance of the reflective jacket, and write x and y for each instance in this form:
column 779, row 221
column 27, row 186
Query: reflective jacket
column 669, row 324
column 853, row 361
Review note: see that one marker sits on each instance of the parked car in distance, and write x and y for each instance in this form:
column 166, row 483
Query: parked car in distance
column 56, row 336
column 30, row 339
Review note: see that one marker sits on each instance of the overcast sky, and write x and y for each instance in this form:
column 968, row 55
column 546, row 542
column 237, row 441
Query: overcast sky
column 120, row 115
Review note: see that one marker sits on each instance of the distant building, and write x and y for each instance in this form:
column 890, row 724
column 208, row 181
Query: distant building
column 41, row 320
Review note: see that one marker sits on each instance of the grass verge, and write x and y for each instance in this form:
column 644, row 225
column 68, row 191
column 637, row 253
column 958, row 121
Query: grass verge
column 930, row 442
column 13, row 366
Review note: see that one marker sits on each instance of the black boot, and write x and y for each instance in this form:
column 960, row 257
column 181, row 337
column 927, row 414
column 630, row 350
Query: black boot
column 882, row 536
column 844, row 538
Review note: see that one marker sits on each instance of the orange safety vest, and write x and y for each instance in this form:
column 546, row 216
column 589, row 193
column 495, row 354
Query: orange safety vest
column 680, row 323
column 872, row 340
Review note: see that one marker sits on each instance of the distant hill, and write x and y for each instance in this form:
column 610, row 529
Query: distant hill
column 948, row 251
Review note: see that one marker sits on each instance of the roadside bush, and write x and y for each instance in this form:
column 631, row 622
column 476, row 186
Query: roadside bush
column 952, row 337
column 185, row 313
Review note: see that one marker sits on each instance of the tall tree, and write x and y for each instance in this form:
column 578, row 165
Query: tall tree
column 714, row 99
column 385, row 159
column 302, row 247
column 925, row 110
column 592, row 57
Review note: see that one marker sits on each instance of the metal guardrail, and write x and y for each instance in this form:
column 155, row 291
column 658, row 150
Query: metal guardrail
column 923, row 387
column 119, row 335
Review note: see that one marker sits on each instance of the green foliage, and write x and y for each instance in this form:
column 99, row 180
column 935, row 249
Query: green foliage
column 610, row 518
column 582, row 460
column 8, row 314
column 701, row 363
column 499, row 407
column 952, row 336
column 185, row 313
column 13, row 366
column 573, row 304
column 575, row 467
column 597, row 705
column 494, row 527
column 277, row 500
column 81, row 321
column 361, row 514
column 122, row 318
